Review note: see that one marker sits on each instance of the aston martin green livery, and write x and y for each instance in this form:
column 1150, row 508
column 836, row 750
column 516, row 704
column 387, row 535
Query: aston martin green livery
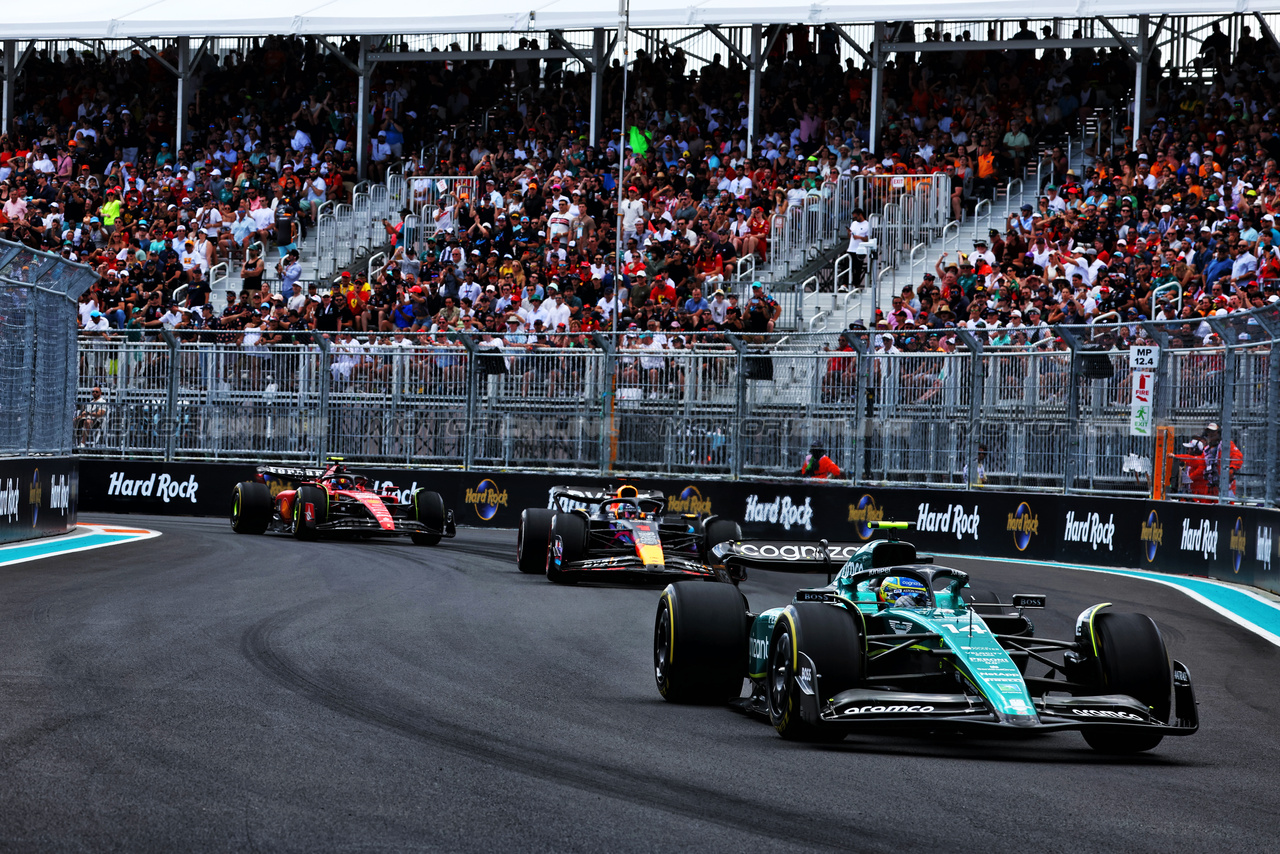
column 895, row 642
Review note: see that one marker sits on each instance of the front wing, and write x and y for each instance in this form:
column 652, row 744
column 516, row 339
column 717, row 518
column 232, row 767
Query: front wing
column 358, row 520
column 875, row 710
column 629, row 568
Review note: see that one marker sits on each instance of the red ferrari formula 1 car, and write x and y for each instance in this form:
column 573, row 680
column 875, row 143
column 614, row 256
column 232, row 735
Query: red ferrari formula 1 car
column 334, row 500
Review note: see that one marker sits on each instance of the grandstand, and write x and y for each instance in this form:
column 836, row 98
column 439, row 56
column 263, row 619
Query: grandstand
column 462, row 181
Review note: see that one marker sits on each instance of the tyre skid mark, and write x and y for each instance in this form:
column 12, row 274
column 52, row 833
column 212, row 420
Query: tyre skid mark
column 260, row 649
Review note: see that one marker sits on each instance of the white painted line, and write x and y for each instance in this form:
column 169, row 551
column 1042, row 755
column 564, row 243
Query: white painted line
column 1182, row 583
column 84, row 538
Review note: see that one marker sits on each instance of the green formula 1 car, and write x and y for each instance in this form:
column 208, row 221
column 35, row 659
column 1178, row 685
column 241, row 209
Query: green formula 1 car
column 897, row 643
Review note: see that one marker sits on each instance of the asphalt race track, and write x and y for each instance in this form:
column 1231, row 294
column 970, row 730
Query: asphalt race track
column 207, row 691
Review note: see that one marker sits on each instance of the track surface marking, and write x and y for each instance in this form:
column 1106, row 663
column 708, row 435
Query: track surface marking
column 207, row 691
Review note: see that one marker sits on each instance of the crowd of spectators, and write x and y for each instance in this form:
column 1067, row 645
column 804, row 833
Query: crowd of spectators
column 92, row 170
column 1180, row 226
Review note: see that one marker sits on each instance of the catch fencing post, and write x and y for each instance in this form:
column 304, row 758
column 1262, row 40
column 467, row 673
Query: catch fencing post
column 171, row 398
column 740, row 406
column 1269, row 323
column 1273, row 420
column 1073, row 407
column 975, row 403
column 473, row 393
column 326, row 378
column 608, row 397
column 860, row 342
column 28, row 378
column 1164, row 391
column 1228, row 404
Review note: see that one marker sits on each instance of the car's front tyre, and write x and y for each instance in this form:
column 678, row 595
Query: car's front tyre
column 817, row 652
column 1132, row 660
column 428, row 511
column 310, row 511
column 533, row 538
column 568, row 544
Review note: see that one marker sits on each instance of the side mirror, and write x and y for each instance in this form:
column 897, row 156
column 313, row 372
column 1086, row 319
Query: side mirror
column 1029, row 600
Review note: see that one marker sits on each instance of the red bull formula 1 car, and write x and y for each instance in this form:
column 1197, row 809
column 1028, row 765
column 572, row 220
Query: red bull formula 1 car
column 334, row 500
column 620, row 535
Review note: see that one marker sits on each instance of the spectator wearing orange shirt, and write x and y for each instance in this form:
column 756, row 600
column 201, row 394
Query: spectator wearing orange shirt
column 988, row 176
column 818, row 465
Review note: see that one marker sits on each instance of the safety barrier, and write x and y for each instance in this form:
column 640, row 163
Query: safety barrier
column 42, row 497
column 894, row 410
column 1228, row 542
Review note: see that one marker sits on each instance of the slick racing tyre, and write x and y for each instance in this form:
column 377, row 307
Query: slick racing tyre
column 251, row 508
column 533, row 538
column 830, row 638
column 1132, row 660
column 568, row 544
column 428, row 511
column 700, row 642
column 310, row 511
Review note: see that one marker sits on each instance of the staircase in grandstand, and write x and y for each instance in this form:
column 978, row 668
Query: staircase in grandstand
column 910, row 232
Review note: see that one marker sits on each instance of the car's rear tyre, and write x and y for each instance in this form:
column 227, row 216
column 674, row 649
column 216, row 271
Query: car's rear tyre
column 304, row 527
column 719, row 531
column 700, row 642
column 251, row 508
column 1132, row 660
column 533, row 538
column 831, row 638
column 568, row 544
column 428, row 510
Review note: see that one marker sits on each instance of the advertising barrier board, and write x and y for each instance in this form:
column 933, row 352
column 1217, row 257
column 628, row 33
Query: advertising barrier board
column 38, row 497
column 1229, row 542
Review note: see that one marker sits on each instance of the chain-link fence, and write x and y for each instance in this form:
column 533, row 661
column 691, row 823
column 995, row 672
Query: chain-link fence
column 934, row 407
column 38, row 294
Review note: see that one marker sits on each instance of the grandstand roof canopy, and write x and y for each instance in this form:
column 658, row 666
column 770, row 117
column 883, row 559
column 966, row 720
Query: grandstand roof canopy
column 103, row 19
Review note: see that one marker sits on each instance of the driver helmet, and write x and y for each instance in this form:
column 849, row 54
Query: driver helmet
column 341, row 481
column 900, row 591
column 626, row 511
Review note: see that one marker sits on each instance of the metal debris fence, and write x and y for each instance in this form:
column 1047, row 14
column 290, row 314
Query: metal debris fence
column 722, row 405
column 38, row 294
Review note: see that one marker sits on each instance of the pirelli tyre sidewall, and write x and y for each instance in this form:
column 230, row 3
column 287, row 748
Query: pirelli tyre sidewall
column 568, row 543
column 700, row 642
column 305, row 528
column 533, row 539
column 251, row 508
column 816, row 652
column 1131, row 660
column 428, row 511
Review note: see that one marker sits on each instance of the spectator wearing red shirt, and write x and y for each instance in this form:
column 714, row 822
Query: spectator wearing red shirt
column 818, row 465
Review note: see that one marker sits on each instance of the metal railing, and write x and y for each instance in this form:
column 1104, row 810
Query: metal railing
column 889, row 411
column 423, row 194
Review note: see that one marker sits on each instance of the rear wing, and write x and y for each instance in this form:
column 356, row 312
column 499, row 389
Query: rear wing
column 785, row 556
column 298, row 473
column 566, row 499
